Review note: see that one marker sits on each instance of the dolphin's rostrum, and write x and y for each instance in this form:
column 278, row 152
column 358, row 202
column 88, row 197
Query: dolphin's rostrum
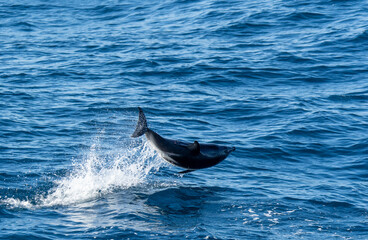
column 191, row 156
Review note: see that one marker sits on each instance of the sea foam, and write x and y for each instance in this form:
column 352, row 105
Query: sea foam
column 99, row 172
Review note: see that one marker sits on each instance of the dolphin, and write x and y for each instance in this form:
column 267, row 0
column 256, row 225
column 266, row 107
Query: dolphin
column 191, row 156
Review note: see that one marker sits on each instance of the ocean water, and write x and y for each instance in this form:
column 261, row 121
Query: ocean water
column 285, row 82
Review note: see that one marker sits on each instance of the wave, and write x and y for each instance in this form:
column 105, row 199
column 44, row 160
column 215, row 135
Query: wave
column 295, row 16
column 360, row 37
column 100, row 172
column 293, row 58
column 349, row 97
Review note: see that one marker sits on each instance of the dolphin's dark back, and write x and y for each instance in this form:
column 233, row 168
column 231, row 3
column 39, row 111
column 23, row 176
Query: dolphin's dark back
column 141, row 125
column 190, row 156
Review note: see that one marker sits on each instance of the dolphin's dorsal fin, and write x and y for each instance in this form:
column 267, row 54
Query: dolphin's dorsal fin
column 194, row 148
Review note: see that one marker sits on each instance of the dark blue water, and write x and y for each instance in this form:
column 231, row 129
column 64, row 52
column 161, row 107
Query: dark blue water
column 285, row 82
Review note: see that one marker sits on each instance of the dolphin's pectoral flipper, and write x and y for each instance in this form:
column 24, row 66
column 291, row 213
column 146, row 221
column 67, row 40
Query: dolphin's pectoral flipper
column 194, row 148
column 141, row 125
column 186, row 171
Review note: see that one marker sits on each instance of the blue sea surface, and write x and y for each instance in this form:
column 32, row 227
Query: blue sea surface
column 285, row 82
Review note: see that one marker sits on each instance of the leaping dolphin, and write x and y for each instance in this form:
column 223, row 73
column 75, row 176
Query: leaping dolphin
column 191, row 156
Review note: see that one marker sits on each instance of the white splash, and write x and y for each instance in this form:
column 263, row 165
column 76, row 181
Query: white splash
column 98, row 173
column 16, row 203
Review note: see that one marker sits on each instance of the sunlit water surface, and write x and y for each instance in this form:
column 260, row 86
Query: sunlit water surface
column 285, row 82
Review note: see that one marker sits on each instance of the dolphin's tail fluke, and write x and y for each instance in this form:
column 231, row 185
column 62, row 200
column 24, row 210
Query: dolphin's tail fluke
column 141, row 125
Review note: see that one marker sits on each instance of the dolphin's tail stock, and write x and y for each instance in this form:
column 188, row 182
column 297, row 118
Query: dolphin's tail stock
column 141, row 125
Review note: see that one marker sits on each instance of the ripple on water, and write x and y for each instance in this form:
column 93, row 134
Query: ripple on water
column 284, row 82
